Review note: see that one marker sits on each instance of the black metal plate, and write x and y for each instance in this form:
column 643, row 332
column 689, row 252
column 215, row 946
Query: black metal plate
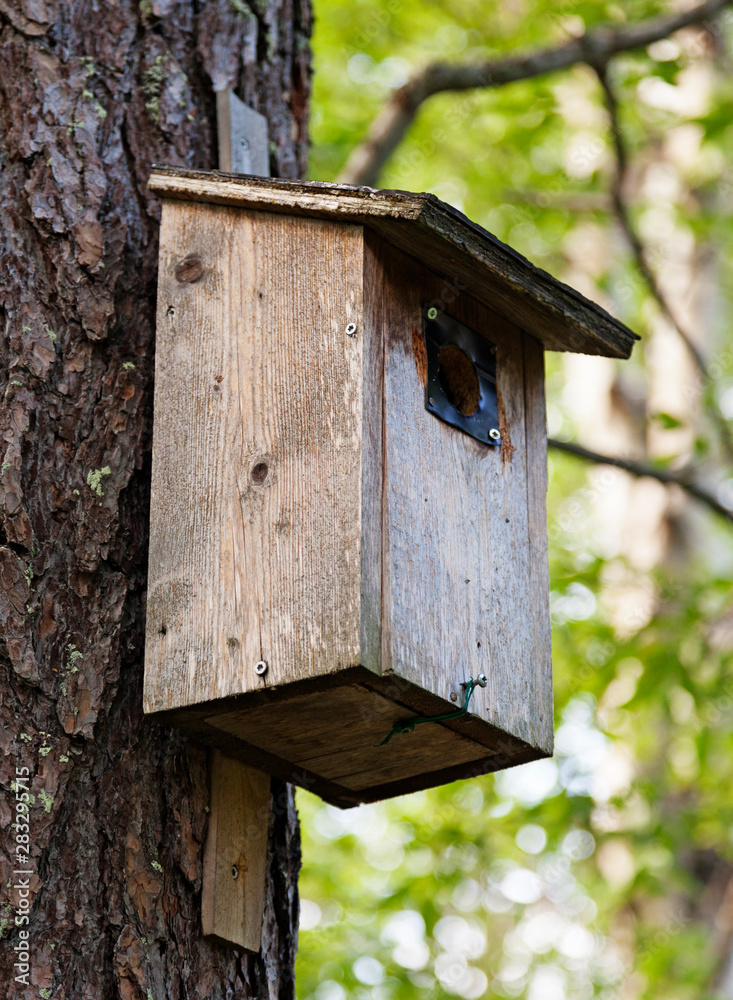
column 441, row 330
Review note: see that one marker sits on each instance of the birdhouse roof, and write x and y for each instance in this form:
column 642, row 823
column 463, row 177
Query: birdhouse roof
column 437, row 235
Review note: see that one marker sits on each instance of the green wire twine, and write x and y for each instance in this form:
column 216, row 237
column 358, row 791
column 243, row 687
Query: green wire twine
column 408, row 725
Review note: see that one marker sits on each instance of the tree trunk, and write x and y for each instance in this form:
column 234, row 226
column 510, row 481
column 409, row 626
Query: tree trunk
column 91, row 94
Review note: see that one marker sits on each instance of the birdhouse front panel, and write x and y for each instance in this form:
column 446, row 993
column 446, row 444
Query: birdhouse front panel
column 256, row 518
column 348, row 578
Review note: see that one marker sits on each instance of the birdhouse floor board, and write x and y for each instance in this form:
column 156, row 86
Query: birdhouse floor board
column 343, row 726
column 341, row 740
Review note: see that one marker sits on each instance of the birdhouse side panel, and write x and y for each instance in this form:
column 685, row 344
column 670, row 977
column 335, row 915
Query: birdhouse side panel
column 540, row 666
column 255, row 554
column 372, row 456
column 460, row 591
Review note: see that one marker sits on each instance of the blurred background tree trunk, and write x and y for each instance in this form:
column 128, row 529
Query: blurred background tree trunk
column 90, row 96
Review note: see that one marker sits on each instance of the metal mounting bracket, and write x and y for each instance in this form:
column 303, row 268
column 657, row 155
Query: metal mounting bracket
column 443, row 331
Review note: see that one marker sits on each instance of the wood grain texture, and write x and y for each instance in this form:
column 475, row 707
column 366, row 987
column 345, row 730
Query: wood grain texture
column 257, row 469
column 325, row 734
column 236, row 845
column 341, row 740
column 539, row 578
column 435, row 234
column 372, row 455
column 457, row 585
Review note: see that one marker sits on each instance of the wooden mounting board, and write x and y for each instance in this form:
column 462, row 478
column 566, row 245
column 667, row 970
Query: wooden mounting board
column 235, row 856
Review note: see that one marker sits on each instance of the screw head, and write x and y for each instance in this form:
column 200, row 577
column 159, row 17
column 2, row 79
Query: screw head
column 244, row 144
column 261, row 668
column 432, row 313
column 431, row 401
column 235, row 871
column 454, row 696
column 494, row 434
column 351, row 329
column 482, row 680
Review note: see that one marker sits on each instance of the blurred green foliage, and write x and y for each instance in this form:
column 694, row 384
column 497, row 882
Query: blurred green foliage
column 604, row 872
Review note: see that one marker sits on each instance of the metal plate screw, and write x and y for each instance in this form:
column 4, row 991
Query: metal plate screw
column 432, row 313
column 351, row 329
column 494, row 434
column 261, row 668
column 235, row 871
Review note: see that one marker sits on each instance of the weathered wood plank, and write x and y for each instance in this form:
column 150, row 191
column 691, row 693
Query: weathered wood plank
column 540, row 665
column 235, row 854
column 341, row 740
column 257, row 470
column 435, row 234
column 296, row 723
column 456, row 586
column 371, row 337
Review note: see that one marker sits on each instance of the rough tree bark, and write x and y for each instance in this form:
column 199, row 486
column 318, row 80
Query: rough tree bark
column 91, row 94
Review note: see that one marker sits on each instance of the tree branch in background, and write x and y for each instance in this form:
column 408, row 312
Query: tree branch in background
column 569, row 201
column 622, row 214
column 640, row 255
column 668, row 478
column 594, row 48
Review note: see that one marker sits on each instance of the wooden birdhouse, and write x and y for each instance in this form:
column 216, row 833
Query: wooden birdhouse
column 348, row 578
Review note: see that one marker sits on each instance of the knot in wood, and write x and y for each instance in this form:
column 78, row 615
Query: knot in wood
column 259, row 472
column 189, row 270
